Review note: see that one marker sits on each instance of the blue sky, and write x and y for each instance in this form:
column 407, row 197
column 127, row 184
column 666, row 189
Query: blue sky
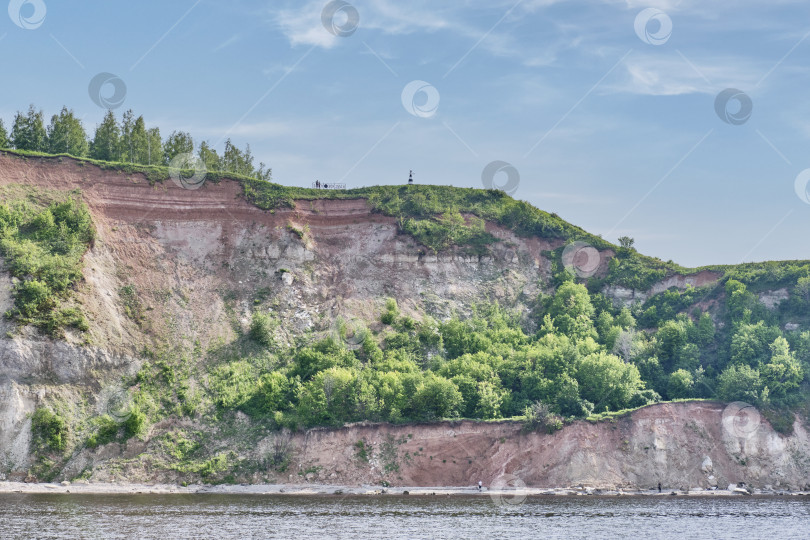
column 614, row 129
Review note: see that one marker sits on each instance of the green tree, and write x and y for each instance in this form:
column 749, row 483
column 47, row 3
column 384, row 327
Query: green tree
column 4, row 142
column 28, row 132
column 139, row 147
column 209, row 156
column 626, row 242
column 607, row 382
column 740, row 383
column 680, row 384
column 106, row 141
column 435, row 398
column 126, row 144
column 705, row 329
column 154, row 147
column 66, row 135
column 750, row 343
column 572, row 311
column 179, row 142
column 783, row 373
column 236, row 161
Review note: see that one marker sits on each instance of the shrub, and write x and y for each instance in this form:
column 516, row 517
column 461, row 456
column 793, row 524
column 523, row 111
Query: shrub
column 49, row 430
column 261, row 329
column 539, row 416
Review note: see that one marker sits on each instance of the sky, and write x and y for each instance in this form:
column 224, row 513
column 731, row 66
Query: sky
column 683, row 124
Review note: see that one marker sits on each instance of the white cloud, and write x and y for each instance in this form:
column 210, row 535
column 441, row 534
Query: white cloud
column 302, row 25
column 672, row 75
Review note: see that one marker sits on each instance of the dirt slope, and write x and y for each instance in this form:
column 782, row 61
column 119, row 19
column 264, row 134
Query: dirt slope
column 685, row 445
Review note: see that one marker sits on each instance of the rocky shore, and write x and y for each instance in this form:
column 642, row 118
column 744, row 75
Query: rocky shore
column 509, row 494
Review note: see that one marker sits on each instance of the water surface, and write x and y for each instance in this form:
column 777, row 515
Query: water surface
column 254, row 516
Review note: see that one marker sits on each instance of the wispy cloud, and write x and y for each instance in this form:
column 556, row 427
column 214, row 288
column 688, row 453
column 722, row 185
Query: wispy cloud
column 674, row 75
column 227, row 43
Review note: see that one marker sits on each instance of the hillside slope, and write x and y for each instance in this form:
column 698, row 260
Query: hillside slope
column 163, row 381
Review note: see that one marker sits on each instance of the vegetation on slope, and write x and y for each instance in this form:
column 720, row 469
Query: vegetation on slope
column 42, row 244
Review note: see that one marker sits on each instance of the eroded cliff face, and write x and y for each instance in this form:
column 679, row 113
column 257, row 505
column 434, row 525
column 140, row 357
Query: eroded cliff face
column 683, row 445
column 201, row 261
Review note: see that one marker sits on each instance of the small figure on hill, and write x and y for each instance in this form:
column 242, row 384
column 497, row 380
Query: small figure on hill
column 326, row 186
column 318, row 184
column 480, row 485
column 659, row 487
column 410, row 178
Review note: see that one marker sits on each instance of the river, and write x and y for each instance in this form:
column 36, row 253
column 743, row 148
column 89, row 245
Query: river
column 251, row 516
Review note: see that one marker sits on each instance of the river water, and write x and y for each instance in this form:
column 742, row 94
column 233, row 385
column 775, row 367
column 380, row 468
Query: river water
column 251, row 516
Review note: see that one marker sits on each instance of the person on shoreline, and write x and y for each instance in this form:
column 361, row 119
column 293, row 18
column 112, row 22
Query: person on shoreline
column 480, row 485
column 659, row 487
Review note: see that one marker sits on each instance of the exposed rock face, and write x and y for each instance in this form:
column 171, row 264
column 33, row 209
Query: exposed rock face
column 772, row 299
column 623, row 296
column 683, row 445
column 199, row 260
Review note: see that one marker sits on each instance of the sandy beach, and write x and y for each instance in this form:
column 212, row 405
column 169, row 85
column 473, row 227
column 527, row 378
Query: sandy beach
column 508, row 493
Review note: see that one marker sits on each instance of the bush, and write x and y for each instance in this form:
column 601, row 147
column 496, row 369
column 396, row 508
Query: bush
column 49, row 430
column 261, row 329
column 135, row 424
column 539, row 417
column 106, row 432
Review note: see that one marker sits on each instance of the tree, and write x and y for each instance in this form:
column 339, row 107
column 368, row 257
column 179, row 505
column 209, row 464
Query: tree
column 783, row 373
column 436, row 397
column 66, row 135
column 140, row 142
column 740, row 383
column 572, row 311
column 209, row 157
column 126, row 149
column 606, row 381
column 28, row 132
column 680, row 385
column 750, row 344
column 154, row 147
column 177, row 143
column 237, row 161
column 626, row 242
column 106, row 140
column 3, row 135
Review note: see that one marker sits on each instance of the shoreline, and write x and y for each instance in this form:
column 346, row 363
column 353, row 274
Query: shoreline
column 510, row 495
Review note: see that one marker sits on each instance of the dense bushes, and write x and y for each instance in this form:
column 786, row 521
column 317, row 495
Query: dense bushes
column 49, row 430
column 43, row 247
